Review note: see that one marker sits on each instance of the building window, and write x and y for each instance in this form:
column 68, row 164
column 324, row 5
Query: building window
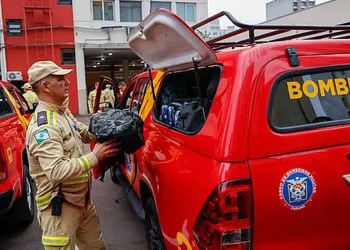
column 67, row 56
column 103, row 10
column 64, row 2
column 14, row 27
column 164, row 5
column 187, row 11
column 130, row 11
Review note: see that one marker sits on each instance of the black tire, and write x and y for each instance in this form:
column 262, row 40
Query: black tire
column 153, row 229
column 113, row 170
column 23, row 210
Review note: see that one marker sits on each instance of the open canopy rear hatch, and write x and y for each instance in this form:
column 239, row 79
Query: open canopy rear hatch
column 165, row 41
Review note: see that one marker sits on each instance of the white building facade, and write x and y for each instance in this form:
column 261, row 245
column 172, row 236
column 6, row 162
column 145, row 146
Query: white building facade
column 102, row 26
column 278, row 8
column 329, row 13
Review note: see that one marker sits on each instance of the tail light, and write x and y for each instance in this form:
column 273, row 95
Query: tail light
column 224, row 222
column 3, row 170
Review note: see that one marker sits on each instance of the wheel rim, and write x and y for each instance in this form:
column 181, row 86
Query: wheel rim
column 29, row 195
column 154, row 236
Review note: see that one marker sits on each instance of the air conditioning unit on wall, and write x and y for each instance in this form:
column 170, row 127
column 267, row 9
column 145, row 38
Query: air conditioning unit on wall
column 14, row 76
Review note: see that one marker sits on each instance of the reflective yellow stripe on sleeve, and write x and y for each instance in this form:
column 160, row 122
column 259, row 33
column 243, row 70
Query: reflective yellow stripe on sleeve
column 51, row 117
column 84, row 178
column 84, row 163
column 43, row 200
column 55, row 241
column 87, row 161
column 54, row 118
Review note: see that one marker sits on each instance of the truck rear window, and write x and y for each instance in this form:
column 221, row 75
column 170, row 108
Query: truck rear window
column 181, row 104
column 5, row 107
column 311, row 99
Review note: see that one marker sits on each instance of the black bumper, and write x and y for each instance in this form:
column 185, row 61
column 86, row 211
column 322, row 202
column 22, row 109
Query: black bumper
column 6, row 202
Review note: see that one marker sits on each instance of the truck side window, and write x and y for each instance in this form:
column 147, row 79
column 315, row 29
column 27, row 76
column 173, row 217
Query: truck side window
column 311, row 98
column 5, row 107
column 139, row 94
column 179, row 104
column 18, row 97
column 127, row 100
column 12, row 92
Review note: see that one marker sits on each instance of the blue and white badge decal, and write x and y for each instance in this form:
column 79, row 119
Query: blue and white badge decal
column 41, row 136
column 297, row 188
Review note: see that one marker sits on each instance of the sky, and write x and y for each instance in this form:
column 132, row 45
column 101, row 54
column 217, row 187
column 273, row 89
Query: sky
column 247, row 11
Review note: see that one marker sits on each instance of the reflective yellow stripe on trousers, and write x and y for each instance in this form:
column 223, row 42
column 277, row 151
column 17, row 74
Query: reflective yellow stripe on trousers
column 43, row 200
column 55, row 241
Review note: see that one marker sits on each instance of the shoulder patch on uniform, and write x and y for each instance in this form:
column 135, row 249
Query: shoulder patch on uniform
column 42, row 135
column 41, row 118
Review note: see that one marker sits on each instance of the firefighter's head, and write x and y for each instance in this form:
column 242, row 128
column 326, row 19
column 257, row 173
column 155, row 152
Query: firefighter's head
column 122, row 86
column 27, row 87
column 49, row 82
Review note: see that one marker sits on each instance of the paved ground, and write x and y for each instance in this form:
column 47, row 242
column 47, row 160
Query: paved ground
column 120, row 227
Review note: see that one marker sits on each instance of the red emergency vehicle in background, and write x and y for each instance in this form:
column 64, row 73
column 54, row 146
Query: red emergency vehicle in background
column 247, row 142
column 16, row 191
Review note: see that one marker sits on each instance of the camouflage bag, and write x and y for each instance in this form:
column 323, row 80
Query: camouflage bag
column 124, row 126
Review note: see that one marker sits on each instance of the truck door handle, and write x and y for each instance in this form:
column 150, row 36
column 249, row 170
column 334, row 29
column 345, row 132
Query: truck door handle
column 347, row 178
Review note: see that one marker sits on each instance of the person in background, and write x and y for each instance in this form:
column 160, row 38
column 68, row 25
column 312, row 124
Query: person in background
column 92, row 97
column 121, row 87
column 109, row 95
column 30, row 96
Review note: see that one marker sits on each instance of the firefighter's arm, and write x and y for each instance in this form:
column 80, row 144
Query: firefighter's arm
column 86, row 136
column 47, row 145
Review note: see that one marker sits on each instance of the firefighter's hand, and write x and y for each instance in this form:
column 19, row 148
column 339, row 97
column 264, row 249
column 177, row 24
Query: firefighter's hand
column 106, row 149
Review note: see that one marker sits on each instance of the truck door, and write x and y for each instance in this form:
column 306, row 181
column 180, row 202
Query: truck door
column 100, row 105
column 134, row 104
column 300, row 155
column 101, row 102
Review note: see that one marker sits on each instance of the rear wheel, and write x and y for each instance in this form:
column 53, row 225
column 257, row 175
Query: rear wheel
column 154, row 234
column 23, row 210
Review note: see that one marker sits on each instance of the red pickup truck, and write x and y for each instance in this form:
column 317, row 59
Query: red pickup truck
column 16, row 192
column 247, row 142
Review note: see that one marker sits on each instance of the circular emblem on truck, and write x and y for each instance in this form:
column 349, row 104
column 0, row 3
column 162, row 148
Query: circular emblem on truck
column 297, row 188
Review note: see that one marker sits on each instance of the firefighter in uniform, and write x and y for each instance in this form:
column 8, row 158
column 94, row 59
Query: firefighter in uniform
column 29, row 95
column 92, row 97
column 60, row 167
column 109, row 95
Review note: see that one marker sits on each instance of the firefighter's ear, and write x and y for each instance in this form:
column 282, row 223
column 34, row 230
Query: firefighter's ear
column 46, row 86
